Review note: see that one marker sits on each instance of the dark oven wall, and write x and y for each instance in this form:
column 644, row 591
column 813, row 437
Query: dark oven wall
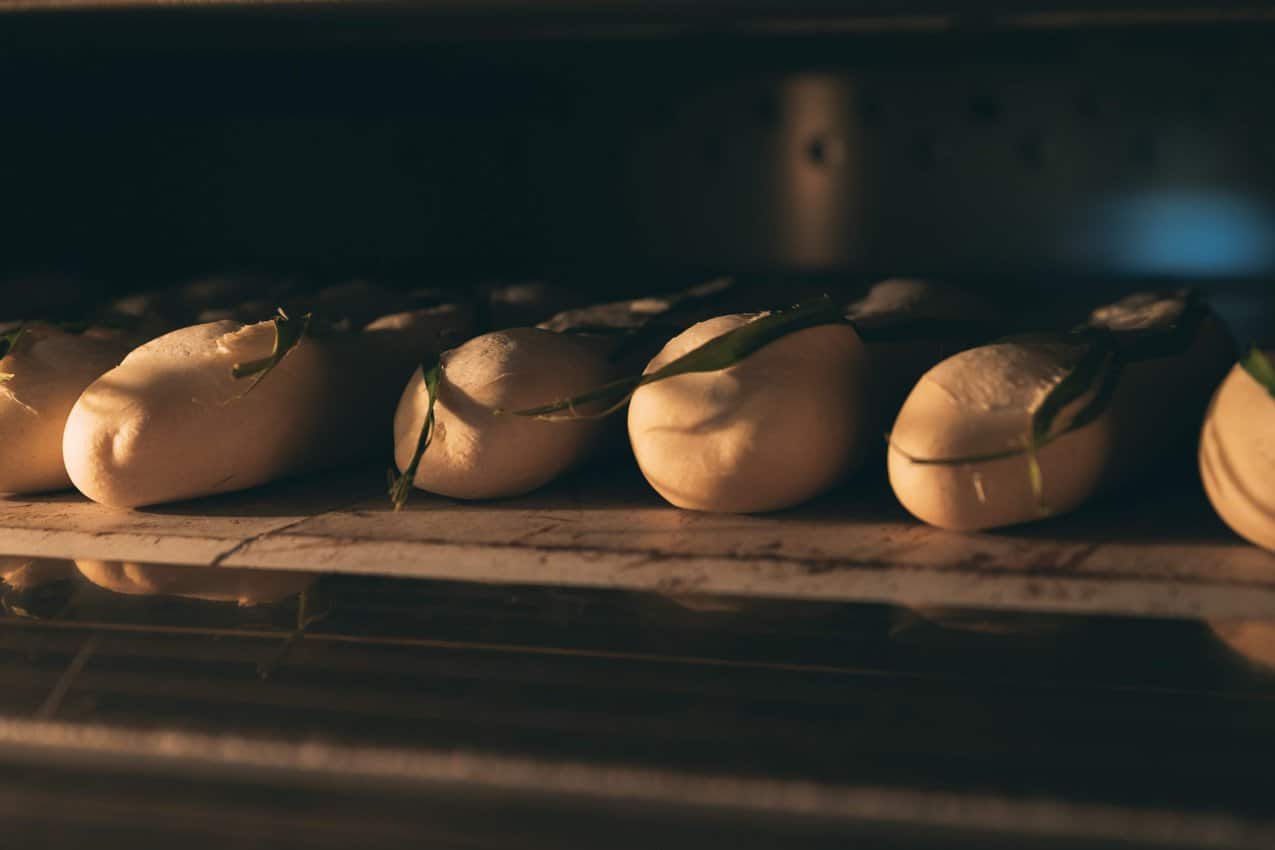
column 139, row 147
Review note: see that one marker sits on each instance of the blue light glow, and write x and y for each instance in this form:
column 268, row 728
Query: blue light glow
column 1185, row 233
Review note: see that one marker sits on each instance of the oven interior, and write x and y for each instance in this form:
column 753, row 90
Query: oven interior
column 506, row 696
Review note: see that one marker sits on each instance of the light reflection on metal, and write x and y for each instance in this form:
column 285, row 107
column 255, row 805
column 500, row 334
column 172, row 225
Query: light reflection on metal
column 819, row 215
column 766, row 171
column 213, row 584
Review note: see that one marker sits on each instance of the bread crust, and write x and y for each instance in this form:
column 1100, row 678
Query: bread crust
column 171, row 422
column 772, row 431
column 1237, row 457
column 477, row 454
column 50, row 369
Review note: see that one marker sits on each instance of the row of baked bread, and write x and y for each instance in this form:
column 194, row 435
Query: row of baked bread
column 182, row 417
column 728, row 408
column 752, row 412
column 760, row 412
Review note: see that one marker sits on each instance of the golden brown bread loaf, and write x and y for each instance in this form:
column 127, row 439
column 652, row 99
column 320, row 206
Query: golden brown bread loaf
column 981, row 402
column 50, row 367
column 477, row 454
column 171, row 422
column 1237, row 457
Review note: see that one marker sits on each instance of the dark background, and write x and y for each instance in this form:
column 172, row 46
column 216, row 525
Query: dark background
column 454, row 141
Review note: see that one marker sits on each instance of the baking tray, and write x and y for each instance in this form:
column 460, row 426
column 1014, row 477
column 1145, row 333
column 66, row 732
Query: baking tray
column 1156, row 551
